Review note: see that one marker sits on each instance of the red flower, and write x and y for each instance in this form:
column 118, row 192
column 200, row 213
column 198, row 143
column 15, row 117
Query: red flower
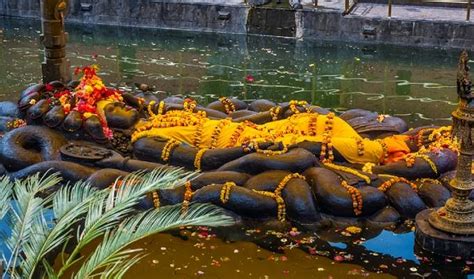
column 249, row 79
column 49, row 87
column 77, row 70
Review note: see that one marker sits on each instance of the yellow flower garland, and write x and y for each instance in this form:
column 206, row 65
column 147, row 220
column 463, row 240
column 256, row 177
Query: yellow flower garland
column 161, row 108
column 168, row 148
column 228, row 105
column 198, row 158
column 217, row 131
column 150, row 108
column 156, row 199
column 275, row 112
column 368, row 167
column 348, row 170
column 225, row 191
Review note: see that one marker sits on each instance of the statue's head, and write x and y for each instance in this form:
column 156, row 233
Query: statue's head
column 464, row 84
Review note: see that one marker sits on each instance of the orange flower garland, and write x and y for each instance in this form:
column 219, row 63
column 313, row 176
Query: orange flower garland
column 269, row 152
column 217, row 131
column 236, row 134
column 188, row 195
column 198, row 135
column 326, row 145
column 313, row 125
column 356, row 197
column 389, row 183
column 360, row 147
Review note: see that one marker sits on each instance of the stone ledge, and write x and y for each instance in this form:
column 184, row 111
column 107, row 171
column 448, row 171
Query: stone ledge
column 441, row 243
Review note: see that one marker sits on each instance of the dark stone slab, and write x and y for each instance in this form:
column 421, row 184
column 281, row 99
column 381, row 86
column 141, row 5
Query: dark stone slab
column 441, row 243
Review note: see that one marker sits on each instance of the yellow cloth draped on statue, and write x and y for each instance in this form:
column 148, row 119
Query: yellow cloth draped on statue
column 198, row 130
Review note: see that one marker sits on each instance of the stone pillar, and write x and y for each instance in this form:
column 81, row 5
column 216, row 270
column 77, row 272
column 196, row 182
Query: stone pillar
column 457, row 216
column 53, row 38
column 449, row 230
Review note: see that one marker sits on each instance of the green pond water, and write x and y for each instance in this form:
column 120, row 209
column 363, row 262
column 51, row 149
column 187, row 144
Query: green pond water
column 415, row 84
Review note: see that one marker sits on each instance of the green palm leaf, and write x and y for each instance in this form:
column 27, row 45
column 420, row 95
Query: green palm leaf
column 69, row 204
column 27, row 210
column 6, row 188
column 106, row 212
column 112, row 253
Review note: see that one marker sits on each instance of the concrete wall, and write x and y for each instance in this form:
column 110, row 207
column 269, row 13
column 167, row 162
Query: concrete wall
column 318, row 24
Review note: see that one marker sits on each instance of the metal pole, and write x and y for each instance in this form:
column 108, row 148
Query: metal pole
column 468, row 16
column 389, row 8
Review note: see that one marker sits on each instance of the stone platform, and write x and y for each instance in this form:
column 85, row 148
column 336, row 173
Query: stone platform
column 424, row 26
column 441, row 243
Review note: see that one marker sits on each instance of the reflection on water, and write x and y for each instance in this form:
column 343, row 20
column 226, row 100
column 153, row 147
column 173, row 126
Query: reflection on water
column 415, row 84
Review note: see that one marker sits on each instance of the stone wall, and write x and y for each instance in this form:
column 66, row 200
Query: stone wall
column 237, row 17
column 333, row 26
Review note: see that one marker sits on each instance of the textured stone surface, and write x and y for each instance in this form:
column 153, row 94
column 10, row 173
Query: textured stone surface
column 439, row 242
column 367, row 23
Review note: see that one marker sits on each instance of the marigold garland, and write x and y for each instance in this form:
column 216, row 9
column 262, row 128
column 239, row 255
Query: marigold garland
column 313, row 125
column 229, row 106
column 368, row 167
column 161, row 108
column 225, row 191
column 389, row 183
column 285, row 181
column 270, row 152
column 150, row 108
column 385, row 155
column 189, row 105
column 295, row 103
column 410, row 160
column 168, row 148
column 356, row 197
column 348, row 170
column 198, row 158
column 17, row 123
column 217, row 132
column 188, row 195
column 281, row 214
column 156, row 199
column 198, row 134
column 430, row 162
column 327, row 152
column 360, row 147
column 275, row 112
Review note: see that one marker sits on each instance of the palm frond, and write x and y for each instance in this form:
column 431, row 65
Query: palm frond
column 6, row 188
column 69, row 204
column 27, row 210
column 111, row 251
column 106, row 212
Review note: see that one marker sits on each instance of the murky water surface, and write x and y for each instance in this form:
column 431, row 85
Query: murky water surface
column 414, row 84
